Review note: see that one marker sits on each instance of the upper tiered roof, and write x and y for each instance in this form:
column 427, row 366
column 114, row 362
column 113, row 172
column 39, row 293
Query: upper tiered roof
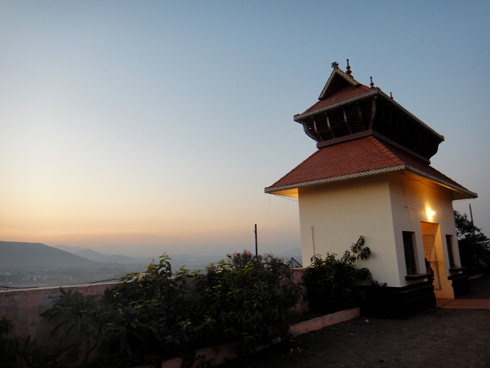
column 348, row 109
column 363, row 132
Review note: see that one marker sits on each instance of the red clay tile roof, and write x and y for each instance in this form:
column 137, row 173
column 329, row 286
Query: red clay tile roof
column 355, row 158
column 346, row 93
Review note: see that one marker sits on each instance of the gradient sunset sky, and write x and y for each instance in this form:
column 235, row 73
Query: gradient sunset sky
column 137, row 127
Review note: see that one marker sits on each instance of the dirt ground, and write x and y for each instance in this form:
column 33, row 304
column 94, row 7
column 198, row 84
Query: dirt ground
column 434, row 339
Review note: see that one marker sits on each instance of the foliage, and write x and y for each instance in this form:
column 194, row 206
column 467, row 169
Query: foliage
column 78, row 324
column 143, row 319
column 333, row 284
column 33, row 354
column 84, row 321
column 8, row 346
column 249, row 297
column 15, row 351
column 474, row 246
column 160, row 314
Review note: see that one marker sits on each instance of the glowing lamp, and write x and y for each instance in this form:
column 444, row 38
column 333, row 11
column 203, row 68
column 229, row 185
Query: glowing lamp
column 430, row 214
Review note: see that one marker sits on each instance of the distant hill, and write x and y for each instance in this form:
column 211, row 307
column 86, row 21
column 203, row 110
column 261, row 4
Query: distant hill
column 68, row 248
column 105, row 258
column 101, row 257
column 21, row 256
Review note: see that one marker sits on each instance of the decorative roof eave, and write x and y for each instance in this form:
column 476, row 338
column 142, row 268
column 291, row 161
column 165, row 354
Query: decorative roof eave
column 440, row 136
column 453, row 186
column 375, row 92
column 335, row 179
column 299, row 117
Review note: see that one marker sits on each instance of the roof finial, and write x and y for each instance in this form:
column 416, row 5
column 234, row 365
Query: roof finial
column 372, row 83
column 348, row 71
column 391, row 95
column 335, row 65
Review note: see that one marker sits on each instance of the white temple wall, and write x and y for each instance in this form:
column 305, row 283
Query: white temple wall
column 333, row 217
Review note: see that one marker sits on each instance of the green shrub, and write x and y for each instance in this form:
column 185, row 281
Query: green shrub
column 34, row 354
column 9, row 346
column 157, row 315
column 334, row 284
column 27, row 352
column 250, row 298
column 147, row 318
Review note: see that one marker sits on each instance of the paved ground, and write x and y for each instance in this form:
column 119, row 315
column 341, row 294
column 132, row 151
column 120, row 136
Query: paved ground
column 439, row 338
column 478, row 298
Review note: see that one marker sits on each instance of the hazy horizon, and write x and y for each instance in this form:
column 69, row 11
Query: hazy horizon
column 136, row 127
column 188, row 249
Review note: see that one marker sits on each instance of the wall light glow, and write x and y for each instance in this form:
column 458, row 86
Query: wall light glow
column 430, row 214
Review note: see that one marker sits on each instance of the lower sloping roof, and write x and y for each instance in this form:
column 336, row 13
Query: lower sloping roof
column 356, row 158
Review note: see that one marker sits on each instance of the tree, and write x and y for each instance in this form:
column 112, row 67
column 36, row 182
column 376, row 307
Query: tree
column 474, row 245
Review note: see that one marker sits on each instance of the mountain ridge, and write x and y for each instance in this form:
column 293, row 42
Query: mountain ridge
column 22, row 255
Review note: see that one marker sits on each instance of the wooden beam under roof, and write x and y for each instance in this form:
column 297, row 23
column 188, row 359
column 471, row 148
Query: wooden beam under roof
column 346, row 121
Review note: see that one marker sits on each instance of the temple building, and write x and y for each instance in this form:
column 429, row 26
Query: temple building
column 371, row 176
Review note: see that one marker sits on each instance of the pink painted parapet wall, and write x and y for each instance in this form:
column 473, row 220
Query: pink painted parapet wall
column 23, row 307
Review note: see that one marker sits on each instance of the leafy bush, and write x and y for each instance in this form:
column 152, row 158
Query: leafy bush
column 27, row 352
column 9, row 346
column 78, row 324
column 250, row 298
column 35, row 354
column 145, row 319
column 157, row 315
column 161, row 312
column 333, row 284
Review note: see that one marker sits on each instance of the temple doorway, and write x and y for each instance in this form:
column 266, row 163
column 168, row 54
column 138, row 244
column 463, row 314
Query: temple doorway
column 430, row 256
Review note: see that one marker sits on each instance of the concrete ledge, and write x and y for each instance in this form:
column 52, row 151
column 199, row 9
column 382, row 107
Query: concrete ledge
column 226, row 352
column 467, row 304
column 324, row 321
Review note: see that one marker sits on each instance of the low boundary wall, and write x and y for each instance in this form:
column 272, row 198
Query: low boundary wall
column 23, row 307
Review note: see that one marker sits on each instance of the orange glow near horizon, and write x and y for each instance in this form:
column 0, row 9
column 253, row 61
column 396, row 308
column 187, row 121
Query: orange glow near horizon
column 122, row 223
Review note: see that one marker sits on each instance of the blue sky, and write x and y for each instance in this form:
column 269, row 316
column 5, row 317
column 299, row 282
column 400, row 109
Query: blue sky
column 142, row 126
